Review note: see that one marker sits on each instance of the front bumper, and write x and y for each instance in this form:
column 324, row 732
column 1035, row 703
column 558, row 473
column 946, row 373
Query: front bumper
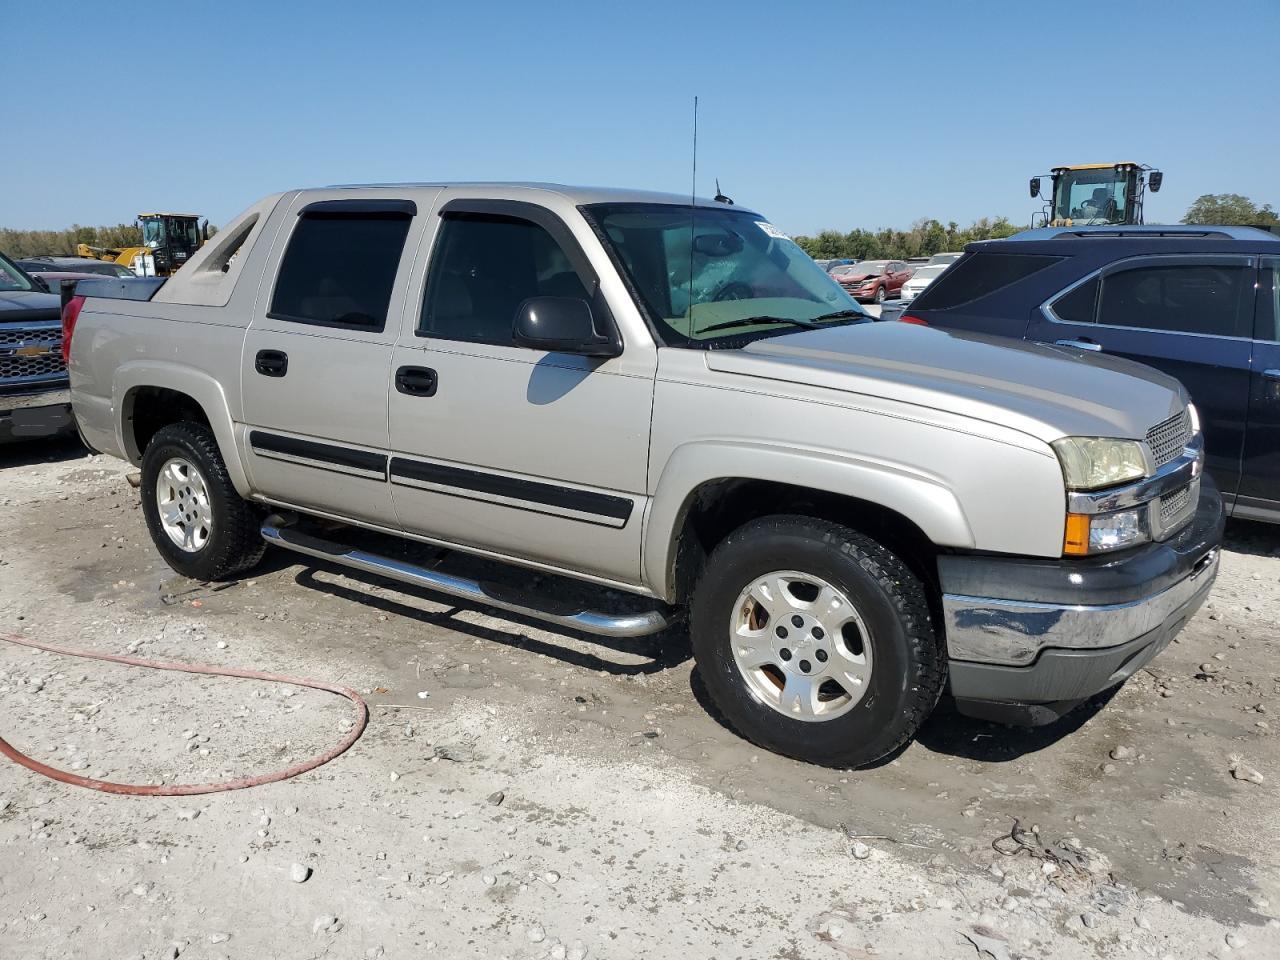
column 35, row 413
column 1029, row 639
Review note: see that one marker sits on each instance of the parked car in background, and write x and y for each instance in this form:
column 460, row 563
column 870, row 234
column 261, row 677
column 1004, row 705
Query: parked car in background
column 840, row 262
column 34, row 396
column 944, row 258
column 873, row 280
column 55, row 269
column 921, row 278
column 1198, row 302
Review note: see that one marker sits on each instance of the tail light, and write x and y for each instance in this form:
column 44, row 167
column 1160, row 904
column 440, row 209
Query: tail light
column 912, row 318
column 70, row 314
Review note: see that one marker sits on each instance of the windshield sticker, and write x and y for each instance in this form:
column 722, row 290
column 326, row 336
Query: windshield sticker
column 771, row 230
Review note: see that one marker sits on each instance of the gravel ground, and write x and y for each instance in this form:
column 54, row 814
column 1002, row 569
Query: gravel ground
column 523, row 793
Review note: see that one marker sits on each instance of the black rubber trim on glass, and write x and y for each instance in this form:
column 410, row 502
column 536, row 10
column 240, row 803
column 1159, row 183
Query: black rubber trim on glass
column 360, row 208
column 530, row 491
column 322, row 452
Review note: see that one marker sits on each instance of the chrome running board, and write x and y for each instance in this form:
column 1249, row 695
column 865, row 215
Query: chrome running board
column 275, row 531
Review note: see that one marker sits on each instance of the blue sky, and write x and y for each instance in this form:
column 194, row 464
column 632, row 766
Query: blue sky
column 206, row 107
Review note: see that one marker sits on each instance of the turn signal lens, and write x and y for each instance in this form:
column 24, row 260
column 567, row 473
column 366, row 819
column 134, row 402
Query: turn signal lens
column 1076, row 540
column 911, row 318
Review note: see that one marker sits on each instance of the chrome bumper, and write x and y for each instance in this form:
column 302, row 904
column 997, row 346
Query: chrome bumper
column 1013, row 632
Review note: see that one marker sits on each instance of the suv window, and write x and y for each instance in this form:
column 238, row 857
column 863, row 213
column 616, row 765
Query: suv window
column 482, row 269
column 1180, row 298
column 978, row 274
column 1078, row 305
column 339, row 269
column 1269, row 302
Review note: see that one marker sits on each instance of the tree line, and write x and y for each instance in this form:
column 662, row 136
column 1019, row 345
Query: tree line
column 38, row 243
column 923, row 239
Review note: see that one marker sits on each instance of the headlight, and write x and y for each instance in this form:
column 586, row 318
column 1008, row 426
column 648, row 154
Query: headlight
column 1091, row 463
column 1103, row 532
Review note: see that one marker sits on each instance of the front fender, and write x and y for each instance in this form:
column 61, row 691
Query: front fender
column 201, row 387
column 921, row 498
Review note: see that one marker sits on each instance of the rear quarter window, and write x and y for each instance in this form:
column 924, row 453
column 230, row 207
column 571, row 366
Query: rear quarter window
column 979, row 274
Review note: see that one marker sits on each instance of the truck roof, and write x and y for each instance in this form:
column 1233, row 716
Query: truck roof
column 576, row 194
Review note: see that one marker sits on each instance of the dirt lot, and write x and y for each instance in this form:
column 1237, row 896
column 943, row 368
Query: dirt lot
column 522, row 793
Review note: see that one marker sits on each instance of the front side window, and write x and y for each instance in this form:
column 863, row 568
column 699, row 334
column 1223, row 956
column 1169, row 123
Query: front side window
column 483, row 268
column 338, row 270
column 1179, row 298
column 703, row 274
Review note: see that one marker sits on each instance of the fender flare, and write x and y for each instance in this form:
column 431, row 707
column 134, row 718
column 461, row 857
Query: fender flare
column 201, row 387
column 919, row 497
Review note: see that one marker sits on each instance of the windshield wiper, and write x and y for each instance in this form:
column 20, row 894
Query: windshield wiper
column 758, row 321
column 842, row 314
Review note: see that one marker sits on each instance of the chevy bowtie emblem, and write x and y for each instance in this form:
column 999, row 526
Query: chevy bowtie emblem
column 35, row 350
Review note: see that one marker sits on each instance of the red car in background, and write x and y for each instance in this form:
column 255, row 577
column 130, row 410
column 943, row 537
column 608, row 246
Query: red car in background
column 873, row 280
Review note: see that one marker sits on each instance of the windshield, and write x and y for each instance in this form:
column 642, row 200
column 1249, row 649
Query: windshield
column 703, row 268
column 929, row 271
column 1090, row 196
column 945, row 258
column 153, row 233
column 867, row 268
column 12, row 278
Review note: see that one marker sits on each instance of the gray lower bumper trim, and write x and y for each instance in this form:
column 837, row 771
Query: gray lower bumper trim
column 1014, row 632
column 43, row 398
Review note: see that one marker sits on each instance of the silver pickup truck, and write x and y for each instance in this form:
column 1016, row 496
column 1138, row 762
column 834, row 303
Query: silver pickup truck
column 669, row 399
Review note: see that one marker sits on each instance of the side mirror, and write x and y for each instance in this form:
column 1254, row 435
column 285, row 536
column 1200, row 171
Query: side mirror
column 1035, row 187
column 561, row 325
column 1154, row 179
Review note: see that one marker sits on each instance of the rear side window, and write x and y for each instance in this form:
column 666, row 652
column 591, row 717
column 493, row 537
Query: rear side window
column 1077, row 305
column 482, row 269
column 979, row 274
column 1268, row 327
column 1180, row 298
column 338, row 270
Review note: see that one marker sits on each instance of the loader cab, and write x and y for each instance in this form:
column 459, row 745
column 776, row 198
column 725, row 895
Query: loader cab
column 170, row 239
column 1097, row 194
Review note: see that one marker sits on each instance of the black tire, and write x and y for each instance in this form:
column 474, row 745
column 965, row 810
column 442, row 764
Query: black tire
column 234, row 543
column 908, row 666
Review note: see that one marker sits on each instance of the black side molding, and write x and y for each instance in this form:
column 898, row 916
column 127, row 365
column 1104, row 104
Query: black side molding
column 320, row 455
column 531, row 492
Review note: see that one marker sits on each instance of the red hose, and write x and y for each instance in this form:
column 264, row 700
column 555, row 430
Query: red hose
column 189, row 789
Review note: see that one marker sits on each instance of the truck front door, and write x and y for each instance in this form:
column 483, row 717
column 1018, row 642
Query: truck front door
column 528, row 454
column 315, row 367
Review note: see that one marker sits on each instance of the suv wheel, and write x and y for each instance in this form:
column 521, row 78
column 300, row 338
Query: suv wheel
column 200, row 525
column 815, row 641
column 880, row 294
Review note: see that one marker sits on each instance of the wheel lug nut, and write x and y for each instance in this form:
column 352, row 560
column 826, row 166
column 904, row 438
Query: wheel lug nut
column 784, row 653
column 797, row 621
column 781, row 632
column 818, row 633
column 805, row 666
column 821, row 655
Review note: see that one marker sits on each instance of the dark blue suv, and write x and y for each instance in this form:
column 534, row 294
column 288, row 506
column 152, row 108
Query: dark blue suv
column 1200, row 303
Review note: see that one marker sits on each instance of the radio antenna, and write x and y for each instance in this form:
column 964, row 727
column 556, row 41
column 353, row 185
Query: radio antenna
column 693, row 204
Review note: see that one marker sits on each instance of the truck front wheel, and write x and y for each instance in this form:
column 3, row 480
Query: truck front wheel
column 198, row 522
column 815, row 641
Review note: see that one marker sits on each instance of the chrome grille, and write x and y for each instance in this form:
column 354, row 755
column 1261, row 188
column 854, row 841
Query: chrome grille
column 1167, row 438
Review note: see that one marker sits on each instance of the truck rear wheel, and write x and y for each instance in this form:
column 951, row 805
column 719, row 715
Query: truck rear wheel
column 815, row 641
column 197, row 520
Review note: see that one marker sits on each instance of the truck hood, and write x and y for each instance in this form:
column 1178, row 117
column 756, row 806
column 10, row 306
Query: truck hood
column 21, row 305
column 1045, row 391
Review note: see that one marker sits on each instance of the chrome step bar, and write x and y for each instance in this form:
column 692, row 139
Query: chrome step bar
column 277, row 532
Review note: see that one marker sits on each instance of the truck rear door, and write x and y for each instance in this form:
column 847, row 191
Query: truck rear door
column 317, row 354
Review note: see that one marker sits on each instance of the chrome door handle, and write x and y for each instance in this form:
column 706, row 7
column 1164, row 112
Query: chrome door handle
column 1079, row 344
